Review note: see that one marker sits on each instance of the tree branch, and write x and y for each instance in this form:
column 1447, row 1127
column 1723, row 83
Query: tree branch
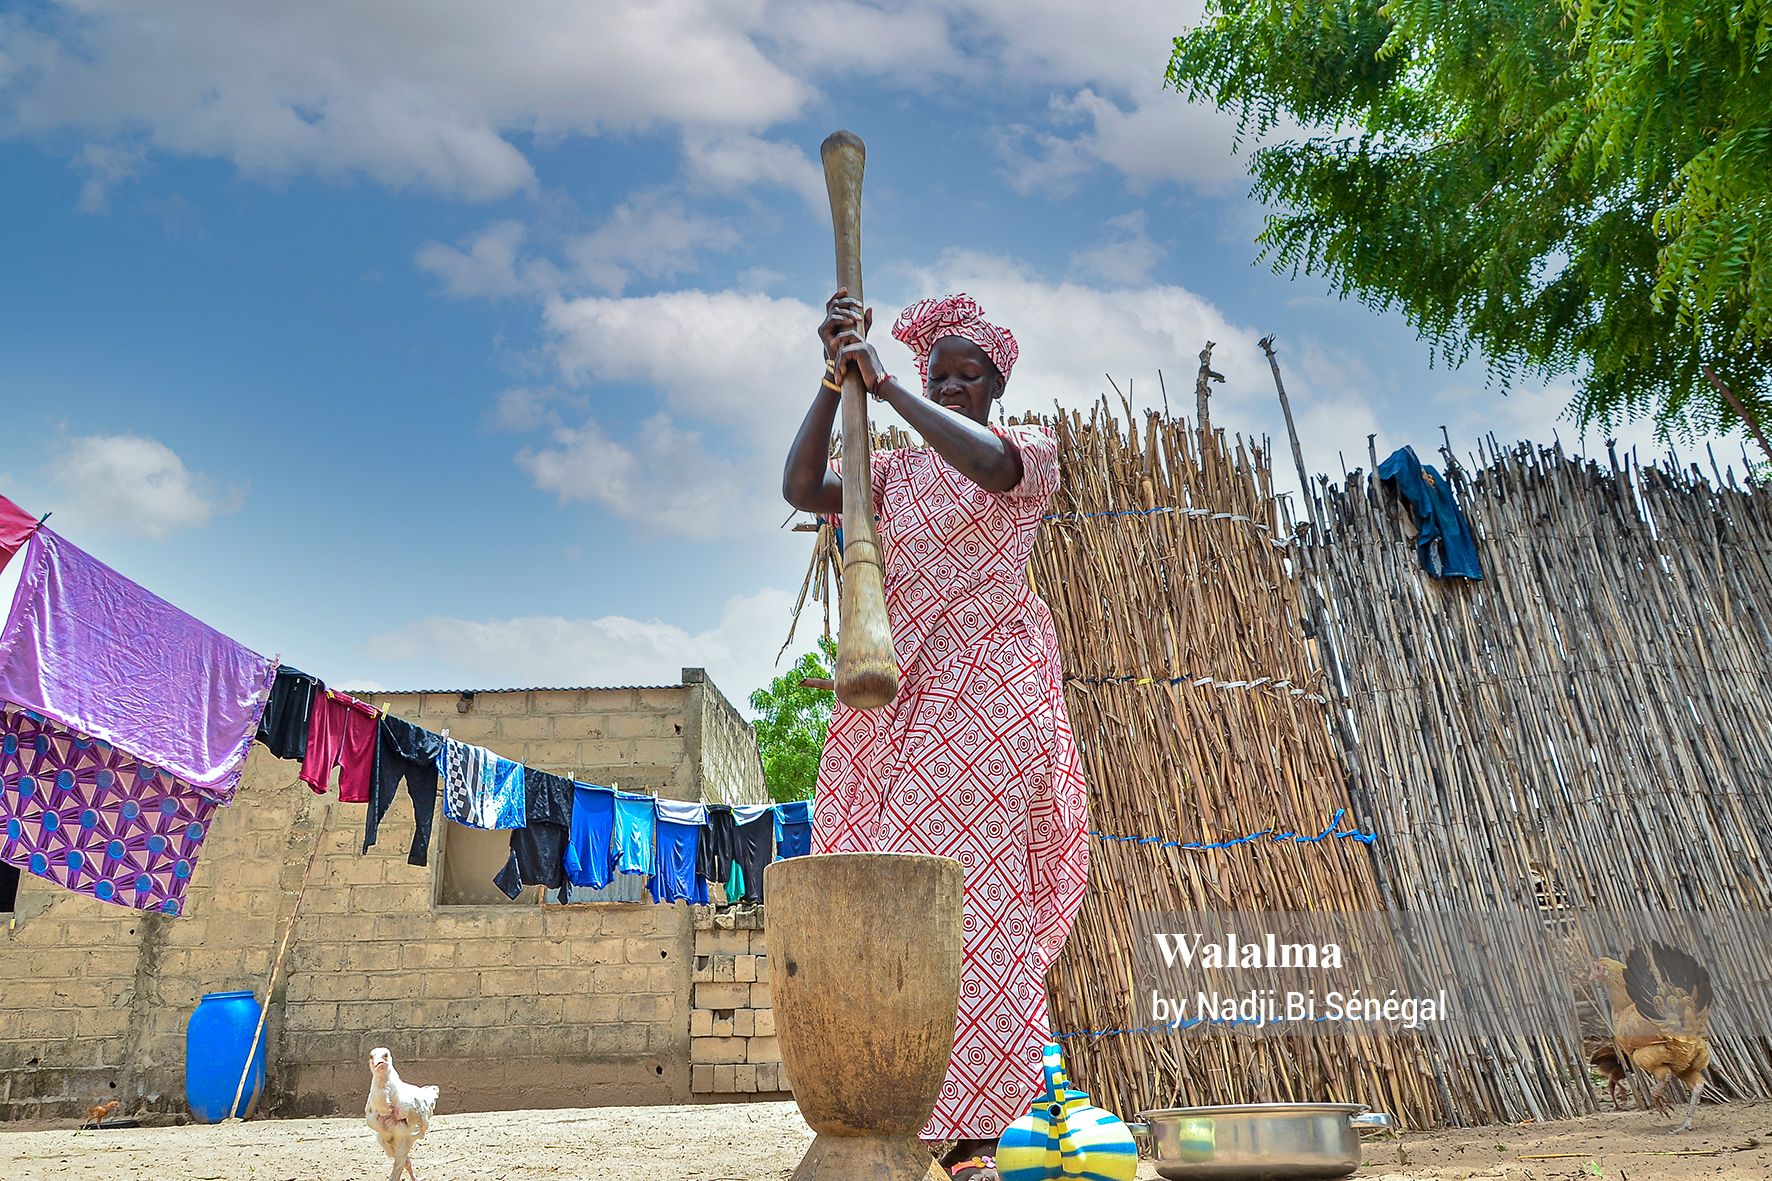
column 1752, row 423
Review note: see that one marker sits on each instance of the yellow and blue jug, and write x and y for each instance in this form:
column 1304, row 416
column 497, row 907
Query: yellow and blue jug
column 1063, row 1137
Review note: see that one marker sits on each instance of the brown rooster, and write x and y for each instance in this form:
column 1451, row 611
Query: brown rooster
column 1661, row 1018
column 96, row 1116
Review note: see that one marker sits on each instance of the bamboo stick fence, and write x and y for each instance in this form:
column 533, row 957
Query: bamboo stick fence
column 1585, row 730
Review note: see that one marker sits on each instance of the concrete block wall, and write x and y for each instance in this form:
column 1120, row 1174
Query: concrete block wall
column 726, row 745
column 733, row 1049
column 502, row 1004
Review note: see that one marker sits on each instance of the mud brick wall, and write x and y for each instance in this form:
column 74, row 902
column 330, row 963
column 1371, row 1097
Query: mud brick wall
column 732, row 1045
column 504, row 1005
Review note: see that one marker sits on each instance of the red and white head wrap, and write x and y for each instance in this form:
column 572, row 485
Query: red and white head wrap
column 927, row 321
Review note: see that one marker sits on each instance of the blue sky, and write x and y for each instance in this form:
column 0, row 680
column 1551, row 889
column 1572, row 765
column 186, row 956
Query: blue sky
column 454, row 344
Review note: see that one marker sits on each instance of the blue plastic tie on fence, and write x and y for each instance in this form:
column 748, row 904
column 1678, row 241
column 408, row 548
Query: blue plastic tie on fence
column 1365, row 838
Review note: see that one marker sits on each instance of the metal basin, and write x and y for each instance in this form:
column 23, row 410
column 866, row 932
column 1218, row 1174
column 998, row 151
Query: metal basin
column 1258, row 1141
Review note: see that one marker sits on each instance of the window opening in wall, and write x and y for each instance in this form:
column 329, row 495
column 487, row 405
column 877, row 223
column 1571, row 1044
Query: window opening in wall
column 471, row 857
column 8, row 888
column 627, row 887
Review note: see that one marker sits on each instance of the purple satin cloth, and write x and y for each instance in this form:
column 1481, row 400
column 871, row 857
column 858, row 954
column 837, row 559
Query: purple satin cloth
column 90, row 650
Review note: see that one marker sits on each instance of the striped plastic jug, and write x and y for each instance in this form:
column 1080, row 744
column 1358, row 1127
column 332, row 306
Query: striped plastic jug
column 1065, row 1137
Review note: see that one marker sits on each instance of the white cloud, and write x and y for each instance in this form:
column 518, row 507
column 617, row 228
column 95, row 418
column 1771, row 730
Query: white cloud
column 1158, row 137
column 759, row 279
column 708, row 463
column 1126, row 255
column 521, row 409
column 730, row 163
column 738, row 652
column 128, row 484
column 441, row 95
column 1109, row 105
column 665, row 477
column 744, row 360
column 647, row 237
column 488, row 264
column 906, row 41
column 105, row 166
column 423, row 94
column 1066, row 43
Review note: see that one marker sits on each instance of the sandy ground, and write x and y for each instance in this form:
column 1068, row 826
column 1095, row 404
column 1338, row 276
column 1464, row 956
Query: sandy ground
column 752, row 1142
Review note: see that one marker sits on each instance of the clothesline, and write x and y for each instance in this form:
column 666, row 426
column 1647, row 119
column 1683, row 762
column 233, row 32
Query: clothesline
column 1284, row 685
column 116, row 760
column 1175, row 510
column 562, row 831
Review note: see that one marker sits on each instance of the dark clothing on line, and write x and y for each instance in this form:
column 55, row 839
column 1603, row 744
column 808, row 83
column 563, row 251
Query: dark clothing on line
column 284, row 727
column 404, row 751
column 538, row 850
column 719, row 842
column 754, row 849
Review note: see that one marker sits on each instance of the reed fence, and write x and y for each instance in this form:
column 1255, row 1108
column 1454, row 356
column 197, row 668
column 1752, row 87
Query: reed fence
column 1584, row 734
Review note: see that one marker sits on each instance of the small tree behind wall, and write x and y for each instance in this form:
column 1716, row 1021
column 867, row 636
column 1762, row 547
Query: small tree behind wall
column 791, row 724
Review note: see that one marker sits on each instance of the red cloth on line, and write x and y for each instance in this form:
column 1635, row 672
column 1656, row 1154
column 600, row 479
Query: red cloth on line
column 16, row 527
column 341, row 733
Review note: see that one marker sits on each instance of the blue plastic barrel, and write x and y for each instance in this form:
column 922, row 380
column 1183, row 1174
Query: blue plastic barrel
column 216, row 1041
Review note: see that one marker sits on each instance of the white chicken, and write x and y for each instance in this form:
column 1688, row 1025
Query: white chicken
column 399, row 1112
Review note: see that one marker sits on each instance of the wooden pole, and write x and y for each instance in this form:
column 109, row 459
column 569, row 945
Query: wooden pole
column 271, row 986
column 1203, row 389
column 1304, row 480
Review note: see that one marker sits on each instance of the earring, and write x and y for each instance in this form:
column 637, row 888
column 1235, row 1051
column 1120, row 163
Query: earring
column 1002, row 415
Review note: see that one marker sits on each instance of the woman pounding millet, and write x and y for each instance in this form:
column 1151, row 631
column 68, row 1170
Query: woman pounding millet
column 974, row 758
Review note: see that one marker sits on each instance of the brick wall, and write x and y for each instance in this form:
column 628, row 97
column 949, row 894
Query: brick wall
column 726, row 746
column 732, row 1046
column 502, row 1004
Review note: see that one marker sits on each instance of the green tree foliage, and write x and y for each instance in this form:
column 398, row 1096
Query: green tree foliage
column 791, row 724
column 1576, row 187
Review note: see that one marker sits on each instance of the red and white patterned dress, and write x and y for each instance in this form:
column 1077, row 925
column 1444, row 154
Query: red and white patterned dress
column 974, row 759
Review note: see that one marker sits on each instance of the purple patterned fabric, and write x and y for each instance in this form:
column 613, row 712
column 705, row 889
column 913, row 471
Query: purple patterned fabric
column 89, row 817
column 89, row 649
